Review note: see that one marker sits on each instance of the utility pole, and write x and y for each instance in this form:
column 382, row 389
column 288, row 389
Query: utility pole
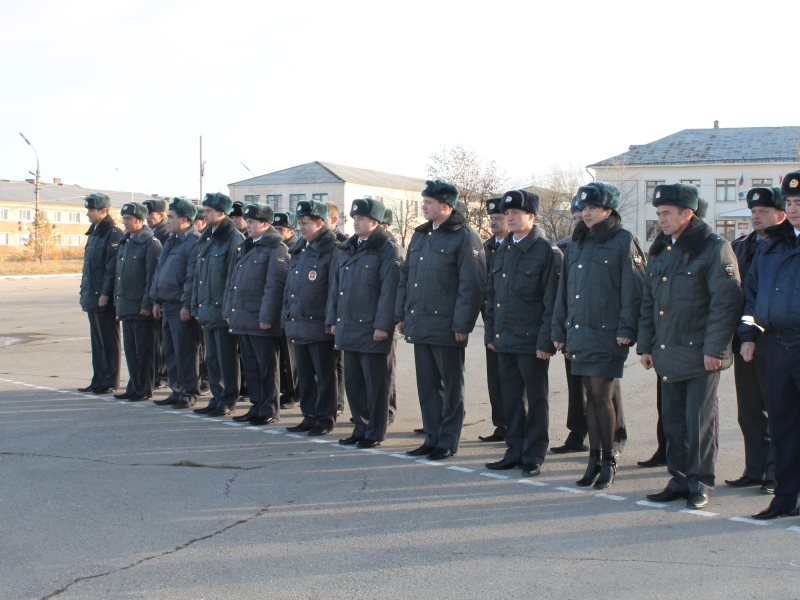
column 202, row 170
column 37, row 250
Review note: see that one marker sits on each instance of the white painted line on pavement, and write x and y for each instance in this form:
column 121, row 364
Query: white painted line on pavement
column 493, row 475
column 699, row 513
column 321, row 441
column 214, row 420
column 232, row 423
column 456, row 468
column 571, row 490
column 794, row 528
column 272, row 431
column 749, row 521
column 431, row 463
column 649, row 504
column 403, row 456
column 532, row 482
column 372, row 451
column 253, row 428
column 296, row 436
column 610, row 497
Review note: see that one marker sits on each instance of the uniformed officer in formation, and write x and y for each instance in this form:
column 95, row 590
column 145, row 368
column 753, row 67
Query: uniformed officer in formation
column 440, row 293
column 772, row 309
column 689, row 311
column 171, row 293
column 361, row 315
column 137, row 258
column 285, row 223
column 156, row 209
column 386, row 225
column 767, row 210
column 237, row 217
column 217, row 250
column 304, row 303
column 333, row 223
column 253, row 303
column 523, row 282
column 97, row 294
column 497, row 225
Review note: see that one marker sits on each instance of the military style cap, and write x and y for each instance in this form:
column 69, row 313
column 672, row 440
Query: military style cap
column 97, row 200
column 259, row 212
column 134, row 209
column 575, row 204
column 460, row 207
column 441, row 190
column 599, row 194
column 493, row 206
column 155, row 205
column 764, row 196
column 388, row 217
column 676, row 194
column 312, row 208
column 282, row 219
column 702, row 209
column 367, row 207
column 218, row 201
column 521, row 199
column 237, row 210
column 183, row 207
column 791, row 184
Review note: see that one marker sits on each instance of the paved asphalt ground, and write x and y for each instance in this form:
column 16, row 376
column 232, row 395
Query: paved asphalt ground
column 104, row 499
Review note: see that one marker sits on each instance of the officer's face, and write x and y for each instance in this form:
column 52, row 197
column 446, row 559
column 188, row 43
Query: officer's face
column 497, row 225
column 793, row 211
column 577, row 217
column 176, row 223
column 213, row 217
column 435, row 211
column 200, row 224
column 95, row 215
column 594, row 214
column 763, row 217
column 256, row 228
column 132, row 224
column 364, row 226
column 332, row 221
column 285, row 232
column 239, row 222
column 154, row 218
column 519, row 221
column 672, row 219
column 309, row 228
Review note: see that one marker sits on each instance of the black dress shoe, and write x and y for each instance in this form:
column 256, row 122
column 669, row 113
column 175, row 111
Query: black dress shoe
column 697, row 500
column 592, row 471
column 350, row 441
column 667, row 495
column 421, row 451
column 365, row 443
column 103, row 389
column 568, row 449
column 742, row 482
column 773, row 513
column 419, row 431
column 318, row 431
column 220, row 411
column 135, row 398
column 533, row 470
column 300, row 427
column 183, row 403
column 205, row 410
column 88, row 388
column 768, row 487
column 503, row 465
column 652, row 462
column 168, row 401
column 495, row 437
column 246, row 416
column 440, row 454
column 262, row 420
column 122, row 396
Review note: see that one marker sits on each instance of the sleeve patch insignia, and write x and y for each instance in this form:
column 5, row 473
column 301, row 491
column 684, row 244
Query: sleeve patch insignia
column 638, row 262
column 730, row 271
column 312, row 275
column 281, row 261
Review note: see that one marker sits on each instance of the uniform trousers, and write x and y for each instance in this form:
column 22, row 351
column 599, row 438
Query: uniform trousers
column 368, row 382
column 690, row 415
column 106, row 348
column 137, row 336
column 160, row 370
column 524, row 386
column 783, row 399
column 392, row 382
column 260, row 364
column 180, row 351
column 222, row 361
column 495, row 394
column 317, row 382
column 288, row 375
column 440, row 387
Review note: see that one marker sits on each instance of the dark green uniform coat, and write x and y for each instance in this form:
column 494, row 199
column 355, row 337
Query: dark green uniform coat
column 99, row 264
column 174, row 276
column 137, row 259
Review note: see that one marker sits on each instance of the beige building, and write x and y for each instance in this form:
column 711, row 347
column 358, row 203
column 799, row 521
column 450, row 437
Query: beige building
column 723, row 163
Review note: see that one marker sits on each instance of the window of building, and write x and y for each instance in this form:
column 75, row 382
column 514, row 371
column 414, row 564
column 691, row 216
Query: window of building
column 320, row 197
column 4, row 214
column 251, row 198
column 653, row 229
column 23, row 238
column 649, row 187
column 3, row 239
column 56, row 217
column 694, row 182
column 763, row 182
column 74, row 240
column 74, row 217
column 274, row 200
column 726, row 190
column 727, row 228
column 294, row 199
column 26, row 214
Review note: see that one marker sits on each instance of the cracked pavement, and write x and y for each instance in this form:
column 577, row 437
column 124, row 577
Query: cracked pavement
column 104, row 500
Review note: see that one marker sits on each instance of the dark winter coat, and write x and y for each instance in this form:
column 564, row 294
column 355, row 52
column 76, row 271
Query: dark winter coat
column 99, row 264
column 137, row 259
column 216, row 256
column 174, row 275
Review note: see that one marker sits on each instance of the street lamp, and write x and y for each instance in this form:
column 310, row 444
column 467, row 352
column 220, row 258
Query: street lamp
column 37, row 251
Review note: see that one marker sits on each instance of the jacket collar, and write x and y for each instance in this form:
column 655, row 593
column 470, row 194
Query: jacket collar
column 376, row 240
column 324, row 242
column 144, row 234
column 691, row 241
column 101, row 228
column 525, row 243
column 602, row 231
column 270, row 239
column 191, row 230
column 782, row 232
column 221, row 233
column 454, row 223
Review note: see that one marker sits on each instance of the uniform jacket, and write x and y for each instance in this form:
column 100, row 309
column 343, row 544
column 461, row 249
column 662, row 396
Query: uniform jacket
column 744, row 248
column 137, row 259
column 523, row 283
column 216, row 256
column 442, row 283
column 600, row 292
column 99, row 264
column 161, row 232
column 363, row 292
column 255, row 286
column 174, row 275
column 772, row 288
column 490, row 248
column 692, row 302
column 305, row 297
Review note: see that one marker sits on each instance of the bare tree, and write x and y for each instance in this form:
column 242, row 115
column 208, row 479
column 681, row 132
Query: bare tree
column 555, row 192
column 475, row 179
column 629, row 202
column 407, row 215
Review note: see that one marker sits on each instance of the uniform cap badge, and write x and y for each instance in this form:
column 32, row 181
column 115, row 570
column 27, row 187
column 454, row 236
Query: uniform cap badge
column 658, row 194
column 756, row 196
column 583, row 195
column 794, row 183
column 312, row 275
column 491, row 205
column 507, row 199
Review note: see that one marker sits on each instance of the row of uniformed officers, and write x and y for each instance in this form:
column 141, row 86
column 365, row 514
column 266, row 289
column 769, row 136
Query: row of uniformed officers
column 593, row 301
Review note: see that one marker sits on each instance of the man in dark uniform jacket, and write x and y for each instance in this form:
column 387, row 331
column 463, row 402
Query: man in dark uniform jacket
column 767, row 210
column 252, row 309
column 386, row 225
column 304, row 302
column 171, row 292
column 217, row 250
column 441, row 290
column 136, row 263
column 97, row 291
column 156, row 209
column 522, row 286
column 333, row 224
column 772, row 309
column 237, row 217
column 285, row 223
column 692, row 299
column 497, row 225
column 361, row 314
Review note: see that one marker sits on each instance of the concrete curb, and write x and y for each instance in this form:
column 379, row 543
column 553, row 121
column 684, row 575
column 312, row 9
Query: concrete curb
column 40, row 276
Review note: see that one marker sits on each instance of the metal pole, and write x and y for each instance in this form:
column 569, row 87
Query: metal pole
column 37, row 251
column 202, row 168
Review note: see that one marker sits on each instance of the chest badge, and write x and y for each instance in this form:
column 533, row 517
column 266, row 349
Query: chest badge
column 312, row 275
column 729, row 270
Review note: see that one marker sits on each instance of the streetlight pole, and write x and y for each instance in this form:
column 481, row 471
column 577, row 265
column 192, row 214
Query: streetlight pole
column 36, row 224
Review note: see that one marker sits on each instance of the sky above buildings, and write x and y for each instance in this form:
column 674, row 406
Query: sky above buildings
column 115, row 95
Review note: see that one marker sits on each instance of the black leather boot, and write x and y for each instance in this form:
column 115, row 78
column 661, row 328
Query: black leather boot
column 592, row 469
column 607, row 471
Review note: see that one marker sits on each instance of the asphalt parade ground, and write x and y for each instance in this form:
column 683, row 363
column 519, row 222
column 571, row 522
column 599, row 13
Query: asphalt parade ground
column 102, row 498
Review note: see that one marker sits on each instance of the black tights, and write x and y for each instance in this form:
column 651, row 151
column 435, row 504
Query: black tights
column 601, row 417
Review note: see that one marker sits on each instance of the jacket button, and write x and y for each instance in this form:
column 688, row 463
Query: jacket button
column 580, row 266
column 233, row 310
column 504, row 274
column 498, row 305
column 421, row 257
column 436, row 312
column 497, row 335
column 361, row 320
column 341, row 293
column 664, row 378
column 234, row 287
column 412, row 311
column 292, row 295
column 663, row 347
column 669, row 249
column 577, row 296
column 339, row 319
column 664, row 278
column 661, row 313
column 577, row 326
column 415, row 285
column 574, row 356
